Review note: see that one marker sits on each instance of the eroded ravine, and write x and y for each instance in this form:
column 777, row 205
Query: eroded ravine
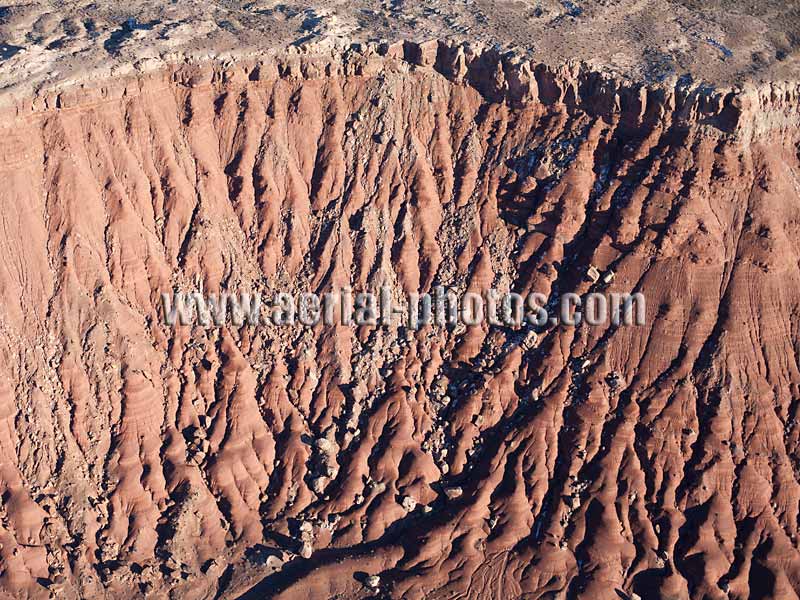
column 139, row 458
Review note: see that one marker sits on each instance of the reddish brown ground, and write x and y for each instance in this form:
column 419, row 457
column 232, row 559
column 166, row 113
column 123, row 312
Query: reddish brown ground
column 136, row 459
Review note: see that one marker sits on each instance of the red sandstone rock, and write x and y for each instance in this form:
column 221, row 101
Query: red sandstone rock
column 141, row 458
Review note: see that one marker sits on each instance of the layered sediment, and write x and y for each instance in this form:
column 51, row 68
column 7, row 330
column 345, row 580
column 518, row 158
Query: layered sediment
column 140, row 458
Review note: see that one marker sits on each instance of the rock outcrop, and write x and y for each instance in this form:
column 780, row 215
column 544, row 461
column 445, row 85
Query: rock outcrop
column 138, row 458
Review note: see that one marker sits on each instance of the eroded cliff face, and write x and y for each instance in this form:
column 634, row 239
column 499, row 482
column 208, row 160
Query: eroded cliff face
column 139, row 458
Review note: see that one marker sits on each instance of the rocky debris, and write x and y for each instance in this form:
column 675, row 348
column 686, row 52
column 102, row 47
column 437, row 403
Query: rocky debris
column 57, row 583
column 307, row 549
column 199, row 446
column 324, row 466
column 529, row 341
column 592, row 274
column 306, row 538
column 615, row 381
column 109, row 550
column 453, row 493
column 408, row 503
column 274, row 562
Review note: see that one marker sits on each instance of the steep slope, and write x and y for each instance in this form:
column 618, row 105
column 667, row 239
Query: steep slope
column 140, row 458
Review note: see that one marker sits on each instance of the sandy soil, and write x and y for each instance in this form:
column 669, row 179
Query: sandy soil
column 46, row 43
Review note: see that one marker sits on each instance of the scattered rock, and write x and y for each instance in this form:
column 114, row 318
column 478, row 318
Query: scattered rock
column 408, row 503
column 307, row 549
column 453, row 492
